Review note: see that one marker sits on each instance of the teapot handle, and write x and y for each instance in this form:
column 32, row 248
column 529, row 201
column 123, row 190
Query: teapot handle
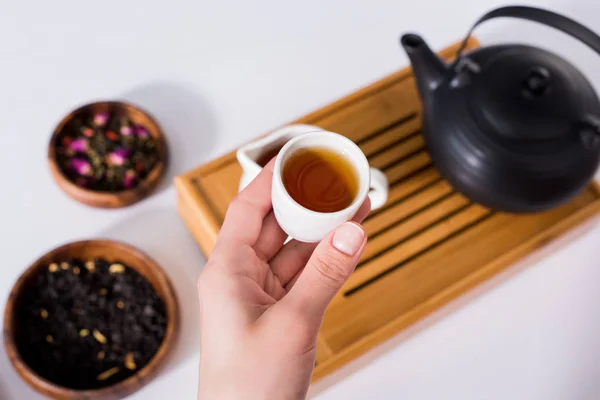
column 545, row 17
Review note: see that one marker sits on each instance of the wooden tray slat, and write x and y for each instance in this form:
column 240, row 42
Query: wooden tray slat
column 411, row 222
column 431, row 272
column 397, row 134
column 425, row 232
column 411, row 186
column 410, row 206
column 426, row 246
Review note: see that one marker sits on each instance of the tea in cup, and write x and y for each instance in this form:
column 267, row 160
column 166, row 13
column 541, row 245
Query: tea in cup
column 320, row 180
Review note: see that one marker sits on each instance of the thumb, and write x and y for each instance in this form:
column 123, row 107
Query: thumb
column 330, row 265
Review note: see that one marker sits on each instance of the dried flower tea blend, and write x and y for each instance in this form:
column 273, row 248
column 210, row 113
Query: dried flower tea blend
column 106, row 152
column 87, row 324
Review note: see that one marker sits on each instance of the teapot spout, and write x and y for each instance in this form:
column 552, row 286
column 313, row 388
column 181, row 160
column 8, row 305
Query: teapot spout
column 428, row 68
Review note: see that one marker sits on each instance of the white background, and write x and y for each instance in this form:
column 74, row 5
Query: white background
column 218, row 73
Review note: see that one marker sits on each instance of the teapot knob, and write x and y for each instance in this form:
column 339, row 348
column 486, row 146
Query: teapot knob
column 537, row 82
column 590, row 132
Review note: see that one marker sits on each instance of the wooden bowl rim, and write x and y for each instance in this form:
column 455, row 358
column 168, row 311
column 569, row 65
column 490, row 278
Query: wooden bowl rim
column 97, row 198
column 121, row 388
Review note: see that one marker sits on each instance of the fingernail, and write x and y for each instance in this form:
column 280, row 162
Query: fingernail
column 348, row 238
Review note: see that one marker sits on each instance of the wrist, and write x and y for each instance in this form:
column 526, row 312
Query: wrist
column 231, row 388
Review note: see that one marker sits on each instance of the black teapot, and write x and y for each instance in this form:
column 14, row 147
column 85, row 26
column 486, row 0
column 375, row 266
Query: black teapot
column 513, row 127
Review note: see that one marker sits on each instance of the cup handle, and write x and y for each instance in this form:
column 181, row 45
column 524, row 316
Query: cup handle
column 379, row 189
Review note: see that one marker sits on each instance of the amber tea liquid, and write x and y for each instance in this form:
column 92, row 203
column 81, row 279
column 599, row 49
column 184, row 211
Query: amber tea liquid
column 320, row 179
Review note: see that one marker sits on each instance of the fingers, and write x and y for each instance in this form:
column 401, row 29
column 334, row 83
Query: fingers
column 244, row 218
column 291, row 259
column 330, row 265
column 271, row 238
column 294, row 255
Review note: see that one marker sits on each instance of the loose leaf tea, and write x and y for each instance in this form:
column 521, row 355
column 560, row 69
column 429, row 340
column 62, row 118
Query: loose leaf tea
column 71, row 334
column 105, row 152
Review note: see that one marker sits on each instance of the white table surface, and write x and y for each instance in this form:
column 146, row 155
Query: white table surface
column 219, row 73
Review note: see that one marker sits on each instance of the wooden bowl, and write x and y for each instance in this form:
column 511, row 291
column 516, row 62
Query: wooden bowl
column 111, row 251
column 110, row 199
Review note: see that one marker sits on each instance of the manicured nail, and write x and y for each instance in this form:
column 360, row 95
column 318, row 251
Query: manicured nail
column 348, row 238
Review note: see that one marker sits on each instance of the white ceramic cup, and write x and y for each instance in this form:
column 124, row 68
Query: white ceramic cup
column 306, row 225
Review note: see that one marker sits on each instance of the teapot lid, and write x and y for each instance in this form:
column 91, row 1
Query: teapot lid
column 525, row 92
column 528, row 94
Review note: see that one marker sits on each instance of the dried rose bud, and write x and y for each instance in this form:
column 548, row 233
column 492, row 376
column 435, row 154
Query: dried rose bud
column 66, row 141
column 141, row 131
column 100, row 119
column 79, row 145
column 118, row 157
column 130, row 178
column 88, row 132
column 82, row 167
column 82, row 181
column 126, row 130
column 112, row 136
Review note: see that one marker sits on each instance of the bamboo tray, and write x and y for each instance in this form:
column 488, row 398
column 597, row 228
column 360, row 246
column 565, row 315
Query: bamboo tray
column 427, row 246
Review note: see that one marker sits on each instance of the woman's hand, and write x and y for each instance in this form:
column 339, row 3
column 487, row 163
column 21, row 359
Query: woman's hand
column 262, row 302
